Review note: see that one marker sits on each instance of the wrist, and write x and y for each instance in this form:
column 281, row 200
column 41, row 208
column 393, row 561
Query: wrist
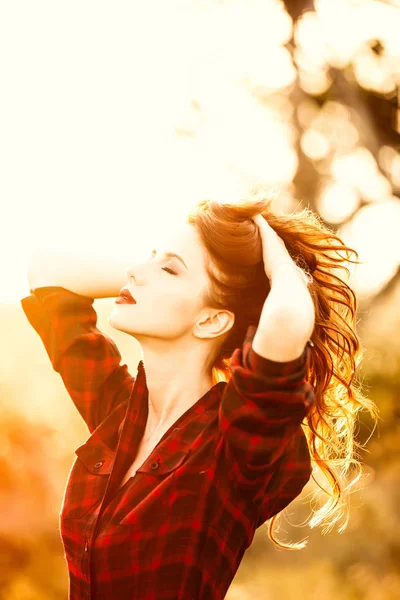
column 306, row 277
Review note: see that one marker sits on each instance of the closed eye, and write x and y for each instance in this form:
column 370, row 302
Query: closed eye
column 170, row 271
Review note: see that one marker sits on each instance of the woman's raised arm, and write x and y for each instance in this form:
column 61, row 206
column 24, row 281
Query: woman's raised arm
column 63, row 287
column 86, row 274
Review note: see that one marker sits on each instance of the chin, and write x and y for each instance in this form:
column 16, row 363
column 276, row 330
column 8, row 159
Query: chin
column 111, row 321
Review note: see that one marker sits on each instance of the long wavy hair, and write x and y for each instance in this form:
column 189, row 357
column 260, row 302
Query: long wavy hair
column 238, row 283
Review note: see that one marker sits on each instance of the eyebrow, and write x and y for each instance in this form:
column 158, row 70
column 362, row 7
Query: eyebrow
column 173, row 255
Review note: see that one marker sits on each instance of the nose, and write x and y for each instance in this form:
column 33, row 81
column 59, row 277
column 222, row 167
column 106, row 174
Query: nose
column 130, row 274
column 139, row 269
column 135, row 273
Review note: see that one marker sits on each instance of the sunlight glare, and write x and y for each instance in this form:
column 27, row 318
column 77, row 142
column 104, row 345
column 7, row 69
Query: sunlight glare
column 373, row 232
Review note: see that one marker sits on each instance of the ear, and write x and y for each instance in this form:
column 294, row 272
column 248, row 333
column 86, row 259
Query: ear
column 214, row 324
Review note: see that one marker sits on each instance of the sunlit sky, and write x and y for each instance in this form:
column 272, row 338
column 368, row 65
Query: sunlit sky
column 118, row 117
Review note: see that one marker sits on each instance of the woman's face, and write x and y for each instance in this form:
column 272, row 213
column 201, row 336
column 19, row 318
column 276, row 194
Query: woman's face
column 168, row 293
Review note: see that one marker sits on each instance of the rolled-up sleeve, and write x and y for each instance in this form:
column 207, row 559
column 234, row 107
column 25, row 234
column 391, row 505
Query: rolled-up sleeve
column 87, row 359
column 260, row 416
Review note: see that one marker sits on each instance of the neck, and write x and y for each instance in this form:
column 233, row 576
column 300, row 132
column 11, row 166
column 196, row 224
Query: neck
column 172, row 391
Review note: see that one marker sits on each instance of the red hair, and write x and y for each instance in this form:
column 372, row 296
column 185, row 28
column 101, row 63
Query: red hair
column 238, row 283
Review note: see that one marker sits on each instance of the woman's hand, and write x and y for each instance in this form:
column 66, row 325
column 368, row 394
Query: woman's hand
column 274, row 249
column 289, row 298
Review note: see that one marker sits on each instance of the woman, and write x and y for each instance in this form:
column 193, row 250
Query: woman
column 231, row 405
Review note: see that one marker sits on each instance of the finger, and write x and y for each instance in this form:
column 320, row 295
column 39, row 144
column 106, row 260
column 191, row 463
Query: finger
column 264, row 226
column 262, row 222
column 259, row 220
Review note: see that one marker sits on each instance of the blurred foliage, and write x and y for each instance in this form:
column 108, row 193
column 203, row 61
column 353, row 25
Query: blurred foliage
column 342, row 104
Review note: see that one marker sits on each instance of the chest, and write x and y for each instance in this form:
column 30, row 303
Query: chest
column 144, row 451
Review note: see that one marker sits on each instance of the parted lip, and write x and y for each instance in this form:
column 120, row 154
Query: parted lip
column 125, row 293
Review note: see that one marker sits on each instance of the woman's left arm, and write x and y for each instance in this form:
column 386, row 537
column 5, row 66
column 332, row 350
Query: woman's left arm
column 288, row 316
column 268, row 396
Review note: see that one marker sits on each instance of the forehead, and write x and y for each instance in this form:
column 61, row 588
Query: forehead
column 184, row 240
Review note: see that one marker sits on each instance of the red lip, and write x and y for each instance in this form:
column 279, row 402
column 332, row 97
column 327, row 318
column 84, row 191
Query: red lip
column 125, row 293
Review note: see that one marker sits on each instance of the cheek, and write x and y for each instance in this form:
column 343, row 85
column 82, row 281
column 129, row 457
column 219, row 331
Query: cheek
column 182, row 306
column 182, row 309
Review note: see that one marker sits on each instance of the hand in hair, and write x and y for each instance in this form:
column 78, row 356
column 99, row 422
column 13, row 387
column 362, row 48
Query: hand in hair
column 288, row 315
column 274, row 250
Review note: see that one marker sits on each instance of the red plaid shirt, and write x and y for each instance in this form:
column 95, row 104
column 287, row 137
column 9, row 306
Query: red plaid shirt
column 179, row 528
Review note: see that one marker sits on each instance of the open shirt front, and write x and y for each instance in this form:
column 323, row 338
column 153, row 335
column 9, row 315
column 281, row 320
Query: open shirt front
column 179, row 528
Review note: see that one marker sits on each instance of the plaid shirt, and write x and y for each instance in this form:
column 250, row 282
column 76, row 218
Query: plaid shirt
column 179, row 528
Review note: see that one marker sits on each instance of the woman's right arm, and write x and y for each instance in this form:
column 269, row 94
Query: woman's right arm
column 86, row 274
column 60, row 309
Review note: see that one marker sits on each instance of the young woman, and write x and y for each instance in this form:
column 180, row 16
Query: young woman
column 246, row 384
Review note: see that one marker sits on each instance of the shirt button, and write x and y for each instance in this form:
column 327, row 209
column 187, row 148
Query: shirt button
column 154, row 465
column 98, row 464
column 176, row 429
